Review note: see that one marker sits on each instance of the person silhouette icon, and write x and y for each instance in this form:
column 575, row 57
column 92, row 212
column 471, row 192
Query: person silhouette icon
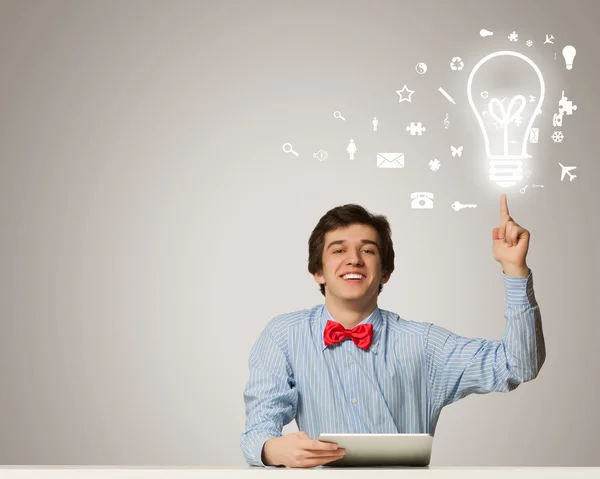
column 351, row 148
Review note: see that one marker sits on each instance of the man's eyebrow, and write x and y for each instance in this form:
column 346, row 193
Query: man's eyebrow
column 364, row 241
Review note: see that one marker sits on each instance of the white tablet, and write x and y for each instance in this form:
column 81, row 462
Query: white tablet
column 381, row 449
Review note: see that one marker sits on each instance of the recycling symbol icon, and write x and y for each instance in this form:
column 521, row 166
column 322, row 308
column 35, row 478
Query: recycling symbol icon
column 457, row 64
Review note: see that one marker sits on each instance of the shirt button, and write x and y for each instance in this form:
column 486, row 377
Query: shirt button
column 350, row 361
column 354, row 400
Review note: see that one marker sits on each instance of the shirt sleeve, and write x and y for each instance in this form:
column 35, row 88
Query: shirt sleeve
column 270, row 397
column 459, row 366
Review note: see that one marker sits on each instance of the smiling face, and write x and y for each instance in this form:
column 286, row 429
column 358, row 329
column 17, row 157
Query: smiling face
column 352, row 249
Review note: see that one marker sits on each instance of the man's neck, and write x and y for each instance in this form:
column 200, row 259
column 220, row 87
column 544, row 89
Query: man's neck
column 349, row 314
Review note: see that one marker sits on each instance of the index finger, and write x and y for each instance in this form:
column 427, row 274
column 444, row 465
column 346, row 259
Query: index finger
column 321, row 445
column 503, row 207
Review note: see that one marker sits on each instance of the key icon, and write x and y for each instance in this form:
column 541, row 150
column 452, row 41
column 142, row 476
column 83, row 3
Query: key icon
column 458, row 206
column 537, row 186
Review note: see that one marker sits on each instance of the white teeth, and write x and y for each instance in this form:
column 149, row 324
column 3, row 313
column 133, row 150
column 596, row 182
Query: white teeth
column 353, row 276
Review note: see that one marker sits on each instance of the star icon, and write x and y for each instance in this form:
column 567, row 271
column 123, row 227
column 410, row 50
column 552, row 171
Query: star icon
column 404, row 90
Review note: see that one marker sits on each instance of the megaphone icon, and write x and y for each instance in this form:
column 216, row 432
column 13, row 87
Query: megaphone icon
column 320, row 155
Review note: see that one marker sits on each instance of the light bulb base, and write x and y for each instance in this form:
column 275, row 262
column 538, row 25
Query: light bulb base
column 506, row 172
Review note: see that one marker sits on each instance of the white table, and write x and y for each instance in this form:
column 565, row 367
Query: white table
column 154, row 472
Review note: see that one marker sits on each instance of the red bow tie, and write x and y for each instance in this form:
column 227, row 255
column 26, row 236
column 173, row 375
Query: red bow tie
column 361, row 334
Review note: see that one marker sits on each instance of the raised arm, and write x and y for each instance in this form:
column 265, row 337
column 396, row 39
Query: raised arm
column 459, row 366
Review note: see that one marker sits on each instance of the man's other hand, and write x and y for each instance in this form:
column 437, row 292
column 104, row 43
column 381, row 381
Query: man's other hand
column 299, row 450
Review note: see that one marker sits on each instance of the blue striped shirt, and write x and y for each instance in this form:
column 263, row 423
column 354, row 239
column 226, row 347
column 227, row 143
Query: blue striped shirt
column 399, row 385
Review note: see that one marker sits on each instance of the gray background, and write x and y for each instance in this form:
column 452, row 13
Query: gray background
column 151, row 224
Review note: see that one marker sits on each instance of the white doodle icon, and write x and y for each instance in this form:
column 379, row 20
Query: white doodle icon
column 320, row 155
column 485, row 33
column 405, row 89
column 421, row 200
column 434, row 164
column 565, row 107
column 421, row 68
column 569, row 55
column 287, row 148
column 457, row 206
column 416, row 128
column 337, row 114
column 351, row 148
column 456, row 64
column 566, row 170
column 534, row 135
column 448, row 97
column 456, row 151
column 375, row 123
column 549, row 38
column 390, row 160
column 514, row 37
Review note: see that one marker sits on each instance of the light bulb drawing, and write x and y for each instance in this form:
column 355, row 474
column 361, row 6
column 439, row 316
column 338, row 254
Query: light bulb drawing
column 569, row 55
column 504, row 115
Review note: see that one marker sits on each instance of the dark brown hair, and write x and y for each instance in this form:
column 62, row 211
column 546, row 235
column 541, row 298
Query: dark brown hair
column 340, row 217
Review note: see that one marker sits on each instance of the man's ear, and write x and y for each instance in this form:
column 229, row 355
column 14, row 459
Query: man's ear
column 385, row 277
column 319, row 278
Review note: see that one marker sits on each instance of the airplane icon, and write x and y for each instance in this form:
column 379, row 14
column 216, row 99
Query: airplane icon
column 549, row 39
column 565, row 171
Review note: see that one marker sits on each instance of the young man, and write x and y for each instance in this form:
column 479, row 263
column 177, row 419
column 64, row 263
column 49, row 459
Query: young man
column 349, row 367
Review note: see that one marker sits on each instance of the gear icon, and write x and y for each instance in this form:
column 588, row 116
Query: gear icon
column 457, row 64
column 557, row 136
column 484, row 94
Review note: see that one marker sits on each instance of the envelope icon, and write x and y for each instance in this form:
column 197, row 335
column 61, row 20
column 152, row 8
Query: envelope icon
column 534, row 135
column 390, row 160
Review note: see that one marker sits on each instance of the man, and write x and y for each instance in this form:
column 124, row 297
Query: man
column 349, row 367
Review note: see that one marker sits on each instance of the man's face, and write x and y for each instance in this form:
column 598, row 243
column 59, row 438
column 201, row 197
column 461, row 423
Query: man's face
column 354, row 248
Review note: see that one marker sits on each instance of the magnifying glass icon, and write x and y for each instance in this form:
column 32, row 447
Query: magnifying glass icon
column 337, row 114
column 287, row 148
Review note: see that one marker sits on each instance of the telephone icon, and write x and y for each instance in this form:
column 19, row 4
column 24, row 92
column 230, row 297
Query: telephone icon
column 421, row 200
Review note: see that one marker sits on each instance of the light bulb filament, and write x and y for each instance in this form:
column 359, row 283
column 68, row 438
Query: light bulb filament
column 507, row 116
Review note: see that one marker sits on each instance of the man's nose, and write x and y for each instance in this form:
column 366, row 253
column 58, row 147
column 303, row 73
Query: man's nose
column 354, row 258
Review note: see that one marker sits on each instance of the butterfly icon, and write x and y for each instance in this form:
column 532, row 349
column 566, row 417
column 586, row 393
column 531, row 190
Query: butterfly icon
column 456, row 151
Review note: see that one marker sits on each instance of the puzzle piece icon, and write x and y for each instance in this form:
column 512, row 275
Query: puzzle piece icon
column 565, row 105
column 416, row 128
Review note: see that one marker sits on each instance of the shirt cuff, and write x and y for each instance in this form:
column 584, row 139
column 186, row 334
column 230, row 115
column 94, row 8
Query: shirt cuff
column 259, row 438
column 519, row 291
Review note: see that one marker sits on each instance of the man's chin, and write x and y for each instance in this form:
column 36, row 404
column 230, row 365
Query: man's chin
column 352, row 296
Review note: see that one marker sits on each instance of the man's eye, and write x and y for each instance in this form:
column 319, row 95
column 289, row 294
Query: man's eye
column 367, row 250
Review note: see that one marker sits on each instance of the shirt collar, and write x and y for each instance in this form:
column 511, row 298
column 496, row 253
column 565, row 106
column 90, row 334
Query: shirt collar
column 374, row 318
